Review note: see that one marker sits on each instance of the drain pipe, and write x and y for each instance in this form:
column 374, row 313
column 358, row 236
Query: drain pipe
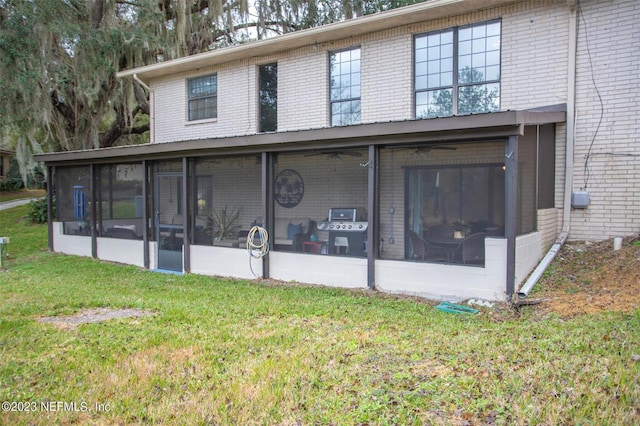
column 569, row 152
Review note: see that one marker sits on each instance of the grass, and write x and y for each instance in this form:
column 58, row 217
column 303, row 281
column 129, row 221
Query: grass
column 219, row 351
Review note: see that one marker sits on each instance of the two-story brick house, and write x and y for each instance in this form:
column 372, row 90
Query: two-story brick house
column 432, row 150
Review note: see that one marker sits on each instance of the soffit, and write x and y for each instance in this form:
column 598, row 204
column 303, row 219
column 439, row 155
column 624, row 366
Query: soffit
column 425, row 11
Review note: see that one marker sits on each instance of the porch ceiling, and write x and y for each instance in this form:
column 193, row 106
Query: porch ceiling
column 425, row 11
column 478, row 127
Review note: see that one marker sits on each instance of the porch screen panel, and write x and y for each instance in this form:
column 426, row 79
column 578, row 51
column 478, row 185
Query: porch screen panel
column 307, row 185
column 226, row 200
column 546, row 166
column 482, row 195
column 120, row 201
column 527, row 201
column 73, row 199
column 439, row 189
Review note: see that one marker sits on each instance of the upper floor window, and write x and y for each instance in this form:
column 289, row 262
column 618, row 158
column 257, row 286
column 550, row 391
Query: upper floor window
column 268, row 95
column 203, row 97
column 457, row 71
column 344, row 84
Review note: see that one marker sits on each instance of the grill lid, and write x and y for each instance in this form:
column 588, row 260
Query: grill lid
column 347, row 214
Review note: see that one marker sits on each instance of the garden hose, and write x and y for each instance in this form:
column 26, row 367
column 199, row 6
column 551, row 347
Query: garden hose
column 455, row 309
column 261, row 248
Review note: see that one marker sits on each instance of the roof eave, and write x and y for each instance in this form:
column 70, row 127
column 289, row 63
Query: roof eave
column 425, row 11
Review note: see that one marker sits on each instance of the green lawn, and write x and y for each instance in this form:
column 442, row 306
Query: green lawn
column 229, row 352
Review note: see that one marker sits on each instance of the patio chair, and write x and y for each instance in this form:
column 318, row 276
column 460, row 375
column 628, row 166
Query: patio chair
column 473, row 248
column 174, row 234
column 300, row 238
column 419, row 247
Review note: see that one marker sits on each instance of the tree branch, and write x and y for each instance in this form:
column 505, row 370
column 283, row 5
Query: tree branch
column 141, row 98
column 65, row 110
column 139, row 130
column 96, row 12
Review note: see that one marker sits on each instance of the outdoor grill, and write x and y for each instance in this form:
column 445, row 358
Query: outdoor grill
column 347, row 231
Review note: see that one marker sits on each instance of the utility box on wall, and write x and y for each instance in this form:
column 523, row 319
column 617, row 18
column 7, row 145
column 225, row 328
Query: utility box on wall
column 580, row 199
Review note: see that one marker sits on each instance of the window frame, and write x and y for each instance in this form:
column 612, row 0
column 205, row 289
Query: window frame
column 191, row 98
column 345, row 100
column 456, row 84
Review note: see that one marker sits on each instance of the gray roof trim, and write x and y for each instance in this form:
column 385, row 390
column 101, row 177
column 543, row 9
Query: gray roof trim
column 420, row 12
column 449, row 129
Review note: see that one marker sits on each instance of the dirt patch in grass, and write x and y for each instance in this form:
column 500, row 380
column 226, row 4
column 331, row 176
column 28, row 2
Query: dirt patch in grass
column 25, row 193
column 93, row 315
column 588, row 278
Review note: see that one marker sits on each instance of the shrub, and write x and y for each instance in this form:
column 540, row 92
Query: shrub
column 37, row 212
column 13, row 180
column 11, row 184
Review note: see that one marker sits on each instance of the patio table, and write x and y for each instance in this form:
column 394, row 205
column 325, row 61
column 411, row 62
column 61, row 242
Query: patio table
column 448, row 244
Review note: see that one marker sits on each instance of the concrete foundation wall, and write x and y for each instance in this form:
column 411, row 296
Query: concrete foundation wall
column 447, row 282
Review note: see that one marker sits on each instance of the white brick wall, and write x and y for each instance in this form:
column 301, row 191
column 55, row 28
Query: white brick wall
column 236, row 104
column 303, row 91
column 534, row 50
column 534, row 57
column 387, row 86
column 535, row 39
column 548, row 227
column 607, row 158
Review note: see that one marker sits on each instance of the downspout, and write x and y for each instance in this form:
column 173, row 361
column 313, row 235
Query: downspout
column 152, row 101
column 569, row 152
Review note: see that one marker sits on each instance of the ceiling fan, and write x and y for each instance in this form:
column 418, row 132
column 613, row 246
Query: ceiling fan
column 429, row 148
column 336, row 155
column 425, row 149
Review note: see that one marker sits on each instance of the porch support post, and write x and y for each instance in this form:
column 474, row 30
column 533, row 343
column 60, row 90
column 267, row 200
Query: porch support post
column 186, row 230
column 372, row 213
column 267, row 203
column 50, row 218
column 511, row 197
column 145, row 213
column 94, row 211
